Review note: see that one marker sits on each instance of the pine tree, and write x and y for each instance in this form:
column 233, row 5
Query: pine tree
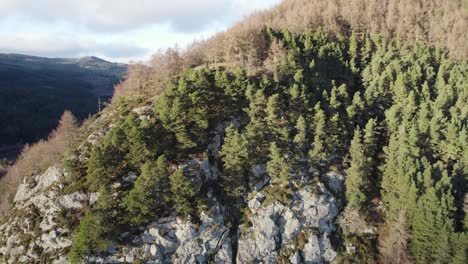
column 319, row 150
column 234, row 154
column 93, row 233
column 459, row 248
column 356, row 109
column 353, row 52
column 432, row 225
column 277, row 166
column 149, row 196
column 398, row 174
column 103, row 165
column 300, row 139
column 370, row 138
column 87, row 239
column 258, row 130
column 275, row 120
column 183, row 192
column 356, row 177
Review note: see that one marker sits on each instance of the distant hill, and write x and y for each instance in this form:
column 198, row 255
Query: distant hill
column 34, row 92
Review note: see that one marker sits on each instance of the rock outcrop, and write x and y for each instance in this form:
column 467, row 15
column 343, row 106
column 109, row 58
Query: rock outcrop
column 298, row 231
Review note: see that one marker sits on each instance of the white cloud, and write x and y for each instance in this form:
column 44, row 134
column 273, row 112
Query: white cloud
column 120, row 15
column 116, row 29
column 68, row 48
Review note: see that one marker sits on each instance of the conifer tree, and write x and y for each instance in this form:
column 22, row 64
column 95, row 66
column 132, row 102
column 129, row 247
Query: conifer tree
column 92, row 236
column 355, row 110
column 399, row 171
column 149, row 196
column 277, row 167
column 432, row 228
column 319, row 150
column 103, row 164
column 257, row 128
column 356, row 177
column 370, row 138
column 300, row 139
column 353, row 52
column 275, row 120
column 183, row 192
column 234, row 154
column 87, row 239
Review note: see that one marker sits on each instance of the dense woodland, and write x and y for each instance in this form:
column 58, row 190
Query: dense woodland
column 392, row 116
column 384, row 104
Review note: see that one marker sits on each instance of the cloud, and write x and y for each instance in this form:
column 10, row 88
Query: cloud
column 69, row 48
column 119, row 30
column 122, row 15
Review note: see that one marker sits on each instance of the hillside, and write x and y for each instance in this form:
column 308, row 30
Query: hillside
column 282, row 140
column 35, row 91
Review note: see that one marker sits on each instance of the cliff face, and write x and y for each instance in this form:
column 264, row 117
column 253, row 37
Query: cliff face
column 298, row 229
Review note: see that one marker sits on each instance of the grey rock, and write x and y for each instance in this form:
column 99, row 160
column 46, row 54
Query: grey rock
column 73, row 201
column 275, row 227
column 131, row 177
column 256, row 202
column 51, row 176
column 334, row 181
column 143, row 111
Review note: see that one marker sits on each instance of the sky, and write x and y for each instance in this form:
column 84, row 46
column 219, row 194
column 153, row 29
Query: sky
column 116, row 30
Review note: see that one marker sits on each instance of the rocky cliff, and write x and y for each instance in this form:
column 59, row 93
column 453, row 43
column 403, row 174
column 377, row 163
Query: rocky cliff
column 298, row 229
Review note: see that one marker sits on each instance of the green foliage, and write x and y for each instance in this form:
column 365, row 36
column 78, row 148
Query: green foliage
column 94, row 232
column 301, row 112
column 356, row 175
column 275, row 121
column 183, row 192
column 234, row 154
column 278, row 167
column 128, row 145
column 301, row 139
column 150, row 195
column 319, row 149
column 87, row 239
column 186, row 109
column 104, row 166
column 257, row 128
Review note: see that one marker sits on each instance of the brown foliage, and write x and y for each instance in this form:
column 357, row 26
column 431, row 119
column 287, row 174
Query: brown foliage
column 353, row 222
column 37, row 157
column 439, row 22
column 393, row 241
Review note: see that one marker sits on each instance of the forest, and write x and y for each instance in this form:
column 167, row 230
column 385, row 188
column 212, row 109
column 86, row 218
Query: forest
column 356, row 88
column 390, row 115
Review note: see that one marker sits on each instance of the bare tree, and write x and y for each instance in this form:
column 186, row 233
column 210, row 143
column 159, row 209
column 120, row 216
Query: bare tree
column 393, row 241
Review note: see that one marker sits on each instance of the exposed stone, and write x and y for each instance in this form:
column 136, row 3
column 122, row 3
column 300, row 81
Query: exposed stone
column 276, row 226
column 143, row 111
column 73, row 201
column 334, row 181
column 131, row 177
column 51, row 176
column 256, row 202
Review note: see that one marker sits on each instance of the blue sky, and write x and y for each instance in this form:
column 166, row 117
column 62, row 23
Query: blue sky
column 117, row 30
